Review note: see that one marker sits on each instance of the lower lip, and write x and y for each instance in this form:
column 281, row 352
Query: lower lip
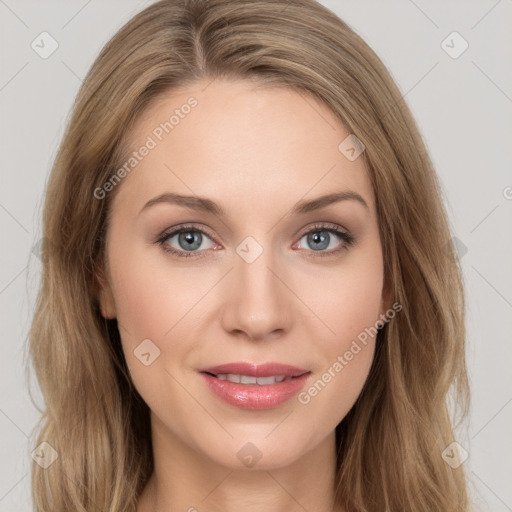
column 254, row 396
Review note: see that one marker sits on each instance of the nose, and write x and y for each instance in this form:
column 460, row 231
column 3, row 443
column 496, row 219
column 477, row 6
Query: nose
column 257, row 301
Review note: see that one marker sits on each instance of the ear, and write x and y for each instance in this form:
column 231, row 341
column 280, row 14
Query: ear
column 105, row 295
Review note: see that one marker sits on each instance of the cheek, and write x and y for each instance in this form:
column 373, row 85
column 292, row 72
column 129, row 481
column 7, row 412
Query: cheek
column 351, row 309
column 151, row 308
column 350, row 306
column 151, row 298
column 156, row 302
column 347, row 299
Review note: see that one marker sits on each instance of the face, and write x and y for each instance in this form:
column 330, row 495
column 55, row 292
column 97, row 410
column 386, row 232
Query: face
column 261, row 274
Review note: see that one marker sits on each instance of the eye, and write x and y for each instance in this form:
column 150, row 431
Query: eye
column 323, row 236
column 190, row 241
column 188, row 238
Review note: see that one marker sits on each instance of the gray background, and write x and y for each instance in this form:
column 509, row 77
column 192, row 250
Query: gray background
column 463, row 107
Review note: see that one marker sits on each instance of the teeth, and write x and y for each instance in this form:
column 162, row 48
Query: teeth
column 249, row 379
column 269, row 380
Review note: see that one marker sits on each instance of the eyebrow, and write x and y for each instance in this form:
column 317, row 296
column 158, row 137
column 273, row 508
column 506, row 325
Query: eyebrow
column 207, row 205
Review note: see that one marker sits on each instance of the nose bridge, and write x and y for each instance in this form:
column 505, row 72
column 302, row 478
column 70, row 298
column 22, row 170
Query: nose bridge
column 252, row 269
column 257, row 303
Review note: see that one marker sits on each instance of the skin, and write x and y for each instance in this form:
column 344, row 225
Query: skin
column 256, row 151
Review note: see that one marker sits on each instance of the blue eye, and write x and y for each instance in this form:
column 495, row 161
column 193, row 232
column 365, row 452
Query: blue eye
column 190, row 240
column 320, row 238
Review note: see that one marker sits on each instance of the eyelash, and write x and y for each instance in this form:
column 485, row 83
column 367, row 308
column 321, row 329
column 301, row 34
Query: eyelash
column 348, row 240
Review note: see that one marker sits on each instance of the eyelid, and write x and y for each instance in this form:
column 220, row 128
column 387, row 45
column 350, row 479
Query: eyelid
column 321, row 225
column 192, row 227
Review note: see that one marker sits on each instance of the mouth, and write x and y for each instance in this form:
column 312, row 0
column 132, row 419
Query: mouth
column 251, row 379
column 256, row 387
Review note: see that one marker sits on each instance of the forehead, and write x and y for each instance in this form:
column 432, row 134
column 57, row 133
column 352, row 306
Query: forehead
column 239, row 142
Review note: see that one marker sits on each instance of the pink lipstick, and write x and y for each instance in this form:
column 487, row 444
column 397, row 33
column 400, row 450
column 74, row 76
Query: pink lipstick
column 255, row 386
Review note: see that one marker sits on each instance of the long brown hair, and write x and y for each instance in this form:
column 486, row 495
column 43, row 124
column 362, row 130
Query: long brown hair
column 390, row 443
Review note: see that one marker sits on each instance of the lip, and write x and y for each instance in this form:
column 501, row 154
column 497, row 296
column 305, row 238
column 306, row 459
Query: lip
column 255, row 396
column 256, row 370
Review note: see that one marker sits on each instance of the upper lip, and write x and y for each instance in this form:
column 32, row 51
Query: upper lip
column 256, row 370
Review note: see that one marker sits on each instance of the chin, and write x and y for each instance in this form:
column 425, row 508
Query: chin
column 258, row 451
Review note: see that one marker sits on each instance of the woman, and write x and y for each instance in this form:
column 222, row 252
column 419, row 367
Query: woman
column 249, row 295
